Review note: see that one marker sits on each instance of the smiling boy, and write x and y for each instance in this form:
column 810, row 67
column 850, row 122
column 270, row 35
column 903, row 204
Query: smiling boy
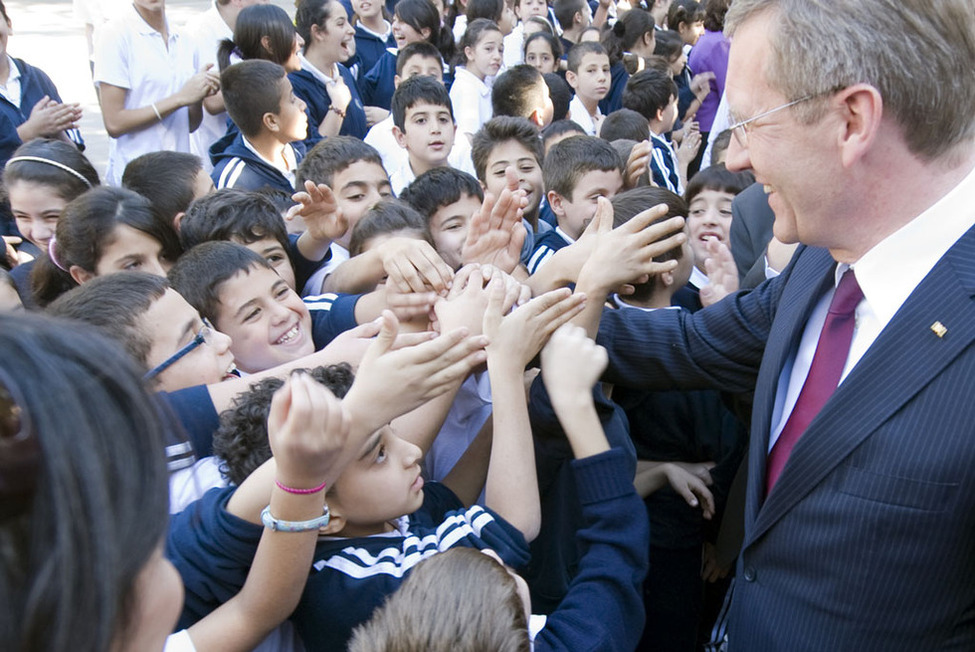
column 244, row 297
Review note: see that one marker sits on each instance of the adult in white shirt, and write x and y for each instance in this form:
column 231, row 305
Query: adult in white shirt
column 149, row 89
column 205, row 31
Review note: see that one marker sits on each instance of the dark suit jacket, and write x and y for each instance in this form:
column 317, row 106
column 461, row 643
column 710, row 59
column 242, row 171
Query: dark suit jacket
column 868, row 540
column 751, row 230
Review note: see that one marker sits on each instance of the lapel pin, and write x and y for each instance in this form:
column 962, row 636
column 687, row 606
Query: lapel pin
column 939, row 329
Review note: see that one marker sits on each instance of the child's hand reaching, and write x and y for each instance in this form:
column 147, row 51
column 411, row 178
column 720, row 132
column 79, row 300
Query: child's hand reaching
column 307, row 429
column 517, row 337
column 722, row 273
column 414, row 266
column 391, row 382
column 495, row 234
column 691, row 481
column 571, row 364
column 320, row 211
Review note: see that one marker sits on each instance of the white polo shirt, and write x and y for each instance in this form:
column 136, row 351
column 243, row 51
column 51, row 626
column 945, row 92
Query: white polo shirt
column 471, row 98
column 130, row 54
column 205, row 31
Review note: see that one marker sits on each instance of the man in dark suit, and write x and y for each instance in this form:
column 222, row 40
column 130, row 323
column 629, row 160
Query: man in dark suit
column 860, row 509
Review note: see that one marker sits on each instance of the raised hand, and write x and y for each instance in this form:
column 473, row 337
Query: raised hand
column 307, row 429
column 392, row 381
column 495, row 234
column 722, row 273
column 320, row 211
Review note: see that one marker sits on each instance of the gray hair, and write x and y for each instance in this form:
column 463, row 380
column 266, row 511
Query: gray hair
column 920, row 56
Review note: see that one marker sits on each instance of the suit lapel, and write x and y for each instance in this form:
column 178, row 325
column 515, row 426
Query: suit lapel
column 906, row 356
column 812, row 275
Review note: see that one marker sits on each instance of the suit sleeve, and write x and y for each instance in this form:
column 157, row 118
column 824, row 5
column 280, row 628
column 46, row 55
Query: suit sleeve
column 719, row 347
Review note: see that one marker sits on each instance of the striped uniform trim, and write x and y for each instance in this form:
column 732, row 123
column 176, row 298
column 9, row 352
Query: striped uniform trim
column 397, row 560
column 231, row 172
column 539, row 257
column 320, row 301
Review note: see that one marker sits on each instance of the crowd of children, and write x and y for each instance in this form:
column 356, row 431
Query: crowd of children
column 334, row 248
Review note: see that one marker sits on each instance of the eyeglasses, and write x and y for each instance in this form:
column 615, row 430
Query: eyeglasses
column 204, row 336
column 741, row 133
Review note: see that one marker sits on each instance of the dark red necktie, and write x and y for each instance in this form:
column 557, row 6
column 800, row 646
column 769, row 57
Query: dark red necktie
column 824, row 375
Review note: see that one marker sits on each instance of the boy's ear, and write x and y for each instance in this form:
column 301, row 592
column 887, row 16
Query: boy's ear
column 396, row 81
column 178, row 220
column 336, row 522
column 666, row 279
column 570, row 78
column 537, row 118
column 80, row 275
column 266, row 44
column 399, row 136
column 555, row 203
column 659, row 116
column 577, row 18
column 270, row 121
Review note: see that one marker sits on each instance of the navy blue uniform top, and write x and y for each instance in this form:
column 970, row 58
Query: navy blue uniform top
column 369, row 48
column 350, row 577
column 34, row 84
column 239, row 167
column 313, row 92
column 614, row 98
column 331, row 315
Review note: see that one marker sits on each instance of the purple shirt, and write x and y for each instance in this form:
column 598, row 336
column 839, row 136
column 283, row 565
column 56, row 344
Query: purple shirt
column 710, row 54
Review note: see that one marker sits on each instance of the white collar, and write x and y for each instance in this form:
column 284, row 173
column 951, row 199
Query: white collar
column 383, row 36
column 890, row 271
column 315, row 72
column 14, row 73
column 483, row 85
column 289, row 157
column 565, row 236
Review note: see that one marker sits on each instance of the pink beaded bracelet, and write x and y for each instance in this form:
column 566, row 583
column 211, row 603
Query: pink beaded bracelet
column 300, row 492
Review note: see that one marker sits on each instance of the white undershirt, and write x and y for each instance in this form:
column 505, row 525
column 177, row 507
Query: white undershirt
column 887, row 274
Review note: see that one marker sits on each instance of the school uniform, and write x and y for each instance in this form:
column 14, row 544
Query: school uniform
column 679, row 426
column 130, row 54
column 369, row 47
column 471, row 99
column 546, row 245
column 378, row 84
column 337, row 254
column 26, row 85
column 350, row 577
column 331, row 315
column 580, row 115
column 311, row 85
column 241, row 166
column 663, row 165
column 205, row 31
column 514, row 47
column 304, row 268
column 602, row 608
column 614, row 98
column 556, row 563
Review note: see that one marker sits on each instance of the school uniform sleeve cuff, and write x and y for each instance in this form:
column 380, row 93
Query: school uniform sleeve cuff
column 603, row 477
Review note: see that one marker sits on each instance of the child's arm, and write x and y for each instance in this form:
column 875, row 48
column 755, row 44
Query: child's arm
column 624, row 255
column 469, row 474
column 323, row 220
column 689, row 480
column 688, row 150
column 340, row 97
column 411, row 265
column 603, row 608
column 512, row 488
column 307, row 430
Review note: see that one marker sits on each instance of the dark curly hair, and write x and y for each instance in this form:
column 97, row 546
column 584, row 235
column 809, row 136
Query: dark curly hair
column 241, row 440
